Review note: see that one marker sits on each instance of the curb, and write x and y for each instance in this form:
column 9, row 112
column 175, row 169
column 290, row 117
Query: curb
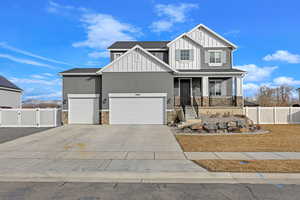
column 176, row 177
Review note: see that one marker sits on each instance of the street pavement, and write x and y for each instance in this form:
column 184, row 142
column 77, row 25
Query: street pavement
column 130, row 191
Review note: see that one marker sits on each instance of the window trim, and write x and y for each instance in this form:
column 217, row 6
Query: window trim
column 115, row 55
column 191, row 58
column 215, row 64
column 215, row 89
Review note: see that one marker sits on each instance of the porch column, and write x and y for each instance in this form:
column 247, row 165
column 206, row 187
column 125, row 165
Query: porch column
column 239, row 91
column 205, row 91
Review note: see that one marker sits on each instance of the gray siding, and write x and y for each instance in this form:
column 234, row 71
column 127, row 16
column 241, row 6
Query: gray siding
column 10, row 98
column 138, row 82
column 80, row 85
column 226, row 65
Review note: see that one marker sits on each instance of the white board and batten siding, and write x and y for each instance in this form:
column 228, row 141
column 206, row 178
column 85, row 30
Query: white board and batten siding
column 185, row 44
column 30, row 117
column 273, row 115
column 136, row 61
column 205, row 38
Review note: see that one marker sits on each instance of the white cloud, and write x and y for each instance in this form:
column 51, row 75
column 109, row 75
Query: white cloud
column 161, row 25
column 26, row 61
column 232, row 32
column 251, row 87
column 172, row 13
column 282, row 55
column 44, row 96
column 37, row 76
column 102, row 30
column 54, row 7
column 26, row 53
column 103, row 54
column 283, row 80
column 255, row 73
column 35, row 81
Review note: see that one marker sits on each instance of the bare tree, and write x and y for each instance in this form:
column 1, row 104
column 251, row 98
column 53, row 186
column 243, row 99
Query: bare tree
column 280, row 96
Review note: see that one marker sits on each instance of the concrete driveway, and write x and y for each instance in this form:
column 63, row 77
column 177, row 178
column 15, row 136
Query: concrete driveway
column 82, row 150
column 118, row 138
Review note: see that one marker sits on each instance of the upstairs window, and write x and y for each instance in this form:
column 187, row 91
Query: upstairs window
column 117, row 55
column 215, row 57
column 184, row 54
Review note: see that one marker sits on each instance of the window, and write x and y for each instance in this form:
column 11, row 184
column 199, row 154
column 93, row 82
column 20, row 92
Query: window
column 185, row 55
column 117, row 55
column 215, row 57
column 215, row 88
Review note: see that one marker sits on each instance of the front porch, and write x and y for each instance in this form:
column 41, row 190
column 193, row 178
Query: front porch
column 208, row 91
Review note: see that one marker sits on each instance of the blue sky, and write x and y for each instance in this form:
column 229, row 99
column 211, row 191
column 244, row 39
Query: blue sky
column 40, row 39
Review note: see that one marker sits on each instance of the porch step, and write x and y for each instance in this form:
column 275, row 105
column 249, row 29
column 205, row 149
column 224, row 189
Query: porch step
column 190, row 113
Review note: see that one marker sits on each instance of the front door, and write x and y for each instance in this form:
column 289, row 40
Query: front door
column 185, row 92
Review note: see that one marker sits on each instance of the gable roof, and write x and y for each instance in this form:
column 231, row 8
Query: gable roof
column 80, row 71
column 208, row 30
column 143, row 50
column 144, row 44
column 4, row 83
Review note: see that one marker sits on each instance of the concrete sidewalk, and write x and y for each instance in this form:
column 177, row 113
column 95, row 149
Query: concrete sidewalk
column 148, row 155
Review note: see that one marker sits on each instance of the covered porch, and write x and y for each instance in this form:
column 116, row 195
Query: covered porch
column 208, row 91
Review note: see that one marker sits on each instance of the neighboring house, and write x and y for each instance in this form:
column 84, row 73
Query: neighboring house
column 10, row 94
column 151, row 82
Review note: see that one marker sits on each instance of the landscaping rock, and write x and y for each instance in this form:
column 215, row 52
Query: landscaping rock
column 210, row 127
column 197, row 126
column 190, row 123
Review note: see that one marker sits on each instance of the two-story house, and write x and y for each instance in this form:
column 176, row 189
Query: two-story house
column 150, row 82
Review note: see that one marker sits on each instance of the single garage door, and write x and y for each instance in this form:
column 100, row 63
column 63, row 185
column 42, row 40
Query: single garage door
column 83, row 108
column 137, row 108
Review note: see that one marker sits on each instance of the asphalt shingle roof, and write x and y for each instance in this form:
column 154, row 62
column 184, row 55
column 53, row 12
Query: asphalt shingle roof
column 81, row 70
column 4, row 83
column 144, row 44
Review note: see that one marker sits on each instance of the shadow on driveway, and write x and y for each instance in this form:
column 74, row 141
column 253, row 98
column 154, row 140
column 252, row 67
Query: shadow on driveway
column 8, row 134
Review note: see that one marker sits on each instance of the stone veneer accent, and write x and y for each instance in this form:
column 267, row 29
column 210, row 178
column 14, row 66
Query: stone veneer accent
column 177, row 101
column 104, row 117
column 221, row 110
column 221, row 101
column 205, row 101
column 64, row 117
column 239, row 101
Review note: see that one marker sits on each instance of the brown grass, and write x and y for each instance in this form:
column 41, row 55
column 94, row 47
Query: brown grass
column 282, row 138
column 262, row 166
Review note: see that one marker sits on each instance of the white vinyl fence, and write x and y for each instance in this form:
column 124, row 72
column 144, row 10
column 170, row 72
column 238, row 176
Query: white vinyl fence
column 49, row 117
column 273, row 115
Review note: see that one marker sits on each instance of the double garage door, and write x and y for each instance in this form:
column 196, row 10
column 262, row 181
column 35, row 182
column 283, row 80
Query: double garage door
column 146, row 108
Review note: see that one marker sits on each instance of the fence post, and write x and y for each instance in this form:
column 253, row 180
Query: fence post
column 38, row 117
column 19, row 117
column 274, row 114
column 55, row 117
column 290, row 116
column 258, row 115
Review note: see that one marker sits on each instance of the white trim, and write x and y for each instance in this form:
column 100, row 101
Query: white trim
column 139, row 95
column 79, row 74
column 214, row 33
column 145, row 48
column 206, row 28
column 83, row 96
column 116, row 95
column 11, row 89
column 132, row 49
